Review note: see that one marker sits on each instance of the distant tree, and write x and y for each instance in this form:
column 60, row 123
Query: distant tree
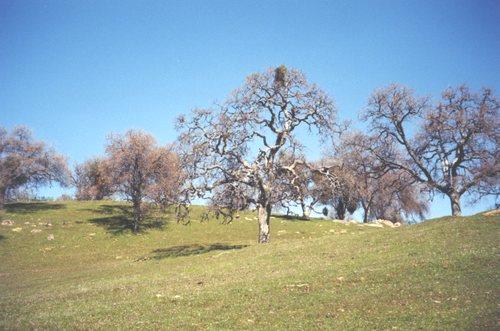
column 338, row 190
column 452, row 148
column 142, row 172
column 296, row 186
column 26, row 163
column 237, row 147
column 92, row 180
column 397, row 200
column 364, row 181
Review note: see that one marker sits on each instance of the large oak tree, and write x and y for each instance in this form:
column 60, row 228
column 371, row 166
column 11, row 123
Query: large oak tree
column 450, row 146
column 239, row 146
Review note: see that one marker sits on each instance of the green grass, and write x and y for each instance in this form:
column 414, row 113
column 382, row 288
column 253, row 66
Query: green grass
column 95, row 274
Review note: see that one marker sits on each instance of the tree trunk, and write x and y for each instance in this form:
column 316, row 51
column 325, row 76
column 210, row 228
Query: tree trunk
column 305, row 210
column 137, row 215
column 340, row 209
column 366, row 211
column 264, row 216
column 2, row 197
column 456, row 210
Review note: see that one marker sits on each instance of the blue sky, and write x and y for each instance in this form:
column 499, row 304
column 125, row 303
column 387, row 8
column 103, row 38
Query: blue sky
column 75, row 71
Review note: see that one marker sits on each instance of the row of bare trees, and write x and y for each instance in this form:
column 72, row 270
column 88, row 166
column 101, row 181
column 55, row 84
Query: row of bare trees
column 246, row 152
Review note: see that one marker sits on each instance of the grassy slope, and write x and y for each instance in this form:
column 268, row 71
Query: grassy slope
column 440, row 274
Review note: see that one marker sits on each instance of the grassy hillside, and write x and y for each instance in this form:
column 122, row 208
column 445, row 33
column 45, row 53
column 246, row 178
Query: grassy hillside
column 442, row 274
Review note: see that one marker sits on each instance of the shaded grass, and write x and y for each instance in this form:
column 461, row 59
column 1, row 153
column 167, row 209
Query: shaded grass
column 32, row 207
column 120, row 224
column 442, row 274
column 195, row 249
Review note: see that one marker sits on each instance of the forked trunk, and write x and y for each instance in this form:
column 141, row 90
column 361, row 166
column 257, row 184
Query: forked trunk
column 456, row 210
column 264, row 217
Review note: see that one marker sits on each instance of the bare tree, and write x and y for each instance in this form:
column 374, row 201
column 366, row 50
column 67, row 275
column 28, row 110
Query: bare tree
column 296, row 186
column 364, row 181
column 92, row 181
column 397, row 200
column 339, row 189
column 239, row 144
column 452, row 147
column 26, row 163
column 141, row 171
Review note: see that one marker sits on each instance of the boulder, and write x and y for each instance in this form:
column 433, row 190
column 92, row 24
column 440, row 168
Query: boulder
column 7, row 222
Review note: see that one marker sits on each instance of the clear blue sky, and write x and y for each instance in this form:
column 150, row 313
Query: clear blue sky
column 74, row 71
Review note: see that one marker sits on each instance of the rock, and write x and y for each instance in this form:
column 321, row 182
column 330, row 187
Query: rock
column 386, row 223
column 374, row 225
column 7, row 222
column 298, row 285
column 247, row 219
column 27, row 223
column 343, row 231
column 50, row 237
column 36, row 231
column 17, row 229
column 397, row 224
column 492, row 212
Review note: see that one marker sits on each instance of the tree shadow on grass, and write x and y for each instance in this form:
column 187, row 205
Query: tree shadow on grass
column 111, row 209
column 120, row 224
column 2, row 237
column 31, row 207
column 187, row 250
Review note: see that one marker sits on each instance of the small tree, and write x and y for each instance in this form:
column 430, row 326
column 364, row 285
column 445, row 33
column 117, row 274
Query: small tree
column 362, row 180
column 239, row 144
column 141, row 171
column 452, row 147
column 26, row 163
column 338, row 189
column 398, row 198
column 296, row 186
column 91, row 179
